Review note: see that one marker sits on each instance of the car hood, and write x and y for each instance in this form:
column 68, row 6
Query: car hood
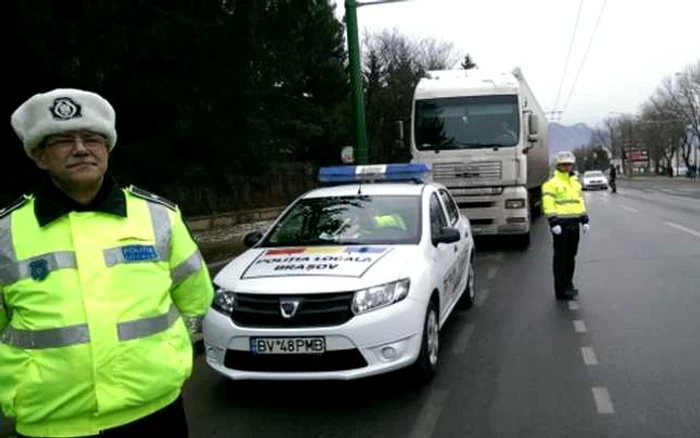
column 317, row 270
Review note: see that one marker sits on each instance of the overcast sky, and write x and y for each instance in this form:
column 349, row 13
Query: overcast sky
column 637, row 44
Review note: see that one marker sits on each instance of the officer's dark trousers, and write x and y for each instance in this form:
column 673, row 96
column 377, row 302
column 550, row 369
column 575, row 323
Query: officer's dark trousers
column 565, row 249
column 169, row 422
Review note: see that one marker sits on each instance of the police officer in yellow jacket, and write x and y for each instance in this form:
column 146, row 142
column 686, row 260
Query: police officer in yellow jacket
column 565, row 208
column 100, row 286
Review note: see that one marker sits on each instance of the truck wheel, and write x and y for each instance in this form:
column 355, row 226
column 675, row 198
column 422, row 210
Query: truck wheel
column 522, row 241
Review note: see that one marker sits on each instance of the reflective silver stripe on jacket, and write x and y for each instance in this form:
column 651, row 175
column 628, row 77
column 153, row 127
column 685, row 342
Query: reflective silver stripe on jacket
column 567, row 201
column 190, row 266
column 194, row 323
column 8, row 260
column 13, row 270
column 46, row 338
column 162, row 229
column 144, row 327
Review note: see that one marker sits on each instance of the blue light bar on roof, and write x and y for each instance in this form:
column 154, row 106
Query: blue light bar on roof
column 374, row 172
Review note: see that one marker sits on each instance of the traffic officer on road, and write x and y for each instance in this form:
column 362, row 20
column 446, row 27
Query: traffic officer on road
column 100, row 286
column 565, row 208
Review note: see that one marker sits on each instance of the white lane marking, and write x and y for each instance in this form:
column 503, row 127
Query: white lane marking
column 481, row 297
column 589, row 357
column 633, row 210
column 462, row 341
column 603, row 403
column 579, row 326
column 574, row 305
column 682, row 228
column 492, row 273
column 429, row 415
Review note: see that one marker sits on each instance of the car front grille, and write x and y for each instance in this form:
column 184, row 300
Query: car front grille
column 315, row 310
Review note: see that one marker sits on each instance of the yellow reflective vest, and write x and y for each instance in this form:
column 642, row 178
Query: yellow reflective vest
column 562, row 200
column 94, row 314
column 390, row 220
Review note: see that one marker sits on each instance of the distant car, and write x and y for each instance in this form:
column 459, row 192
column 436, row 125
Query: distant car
column 353, row 280
column 594, row 180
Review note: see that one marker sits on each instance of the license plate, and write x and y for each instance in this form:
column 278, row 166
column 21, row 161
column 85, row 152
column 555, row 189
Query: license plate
column 307, row 345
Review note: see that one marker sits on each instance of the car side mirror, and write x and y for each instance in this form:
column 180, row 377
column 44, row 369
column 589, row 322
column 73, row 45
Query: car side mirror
column 252, row 238
column 446, row 235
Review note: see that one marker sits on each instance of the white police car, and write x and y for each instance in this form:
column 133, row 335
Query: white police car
column 352, row 280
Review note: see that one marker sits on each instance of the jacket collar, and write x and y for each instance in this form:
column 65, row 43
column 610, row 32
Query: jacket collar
column 51, row 203
column 563, row 175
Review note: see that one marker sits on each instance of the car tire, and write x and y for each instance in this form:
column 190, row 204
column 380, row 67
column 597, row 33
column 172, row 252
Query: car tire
column 425, row 367
column 466, row 301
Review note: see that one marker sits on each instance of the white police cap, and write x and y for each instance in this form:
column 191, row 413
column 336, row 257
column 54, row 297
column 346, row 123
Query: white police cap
column 61, row 110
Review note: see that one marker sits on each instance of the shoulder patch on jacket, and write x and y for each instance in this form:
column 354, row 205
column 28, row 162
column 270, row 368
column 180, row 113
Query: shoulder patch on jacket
column 19, row 202
column 152, row 197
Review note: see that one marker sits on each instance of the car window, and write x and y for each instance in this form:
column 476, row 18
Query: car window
column 437, row 215
column 452, row 210
column 355, row 220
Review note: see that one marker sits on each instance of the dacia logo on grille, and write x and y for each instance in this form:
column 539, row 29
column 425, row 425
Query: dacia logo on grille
column 289, row 307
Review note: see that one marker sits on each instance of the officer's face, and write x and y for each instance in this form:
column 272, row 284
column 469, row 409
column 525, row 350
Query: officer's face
column 77, row 158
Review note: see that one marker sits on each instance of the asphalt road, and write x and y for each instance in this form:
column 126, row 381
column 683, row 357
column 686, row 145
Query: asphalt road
column 623, row 360
column 679, row 186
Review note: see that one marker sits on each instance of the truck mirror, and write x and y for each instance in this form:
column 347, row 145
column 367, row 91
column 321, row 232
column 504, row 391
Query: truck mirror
column 532, row 124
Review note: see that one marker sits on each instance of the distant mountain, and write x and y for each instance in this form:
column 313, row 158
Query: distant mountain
column 566, row 138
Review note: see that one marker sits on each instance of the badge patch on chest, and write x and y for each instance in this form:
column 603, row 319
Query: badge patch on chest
column 39, row 269
column 139, row 253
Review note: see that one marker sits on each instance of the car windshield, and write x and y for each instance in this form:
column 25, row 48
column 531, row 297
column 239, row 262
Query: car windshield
column 596, row 174
column 356, row 220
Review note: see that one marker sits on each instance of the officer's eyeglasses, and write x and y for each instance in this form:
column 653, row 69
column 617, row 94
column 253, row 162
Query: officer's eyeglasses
column 67, row 143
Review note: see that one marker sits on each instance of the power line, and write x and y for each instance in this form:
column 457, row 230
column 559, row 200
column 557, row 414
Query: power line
column 568, row 55
column 585, row 55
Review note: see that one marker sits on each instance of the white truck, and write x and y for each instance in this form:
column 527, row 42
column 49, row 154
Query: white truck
column 485, row 136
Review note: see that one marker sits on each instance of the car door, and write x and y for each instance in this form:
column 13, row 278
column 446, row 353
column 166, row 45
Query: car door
column 464, row 246
column 444, row 254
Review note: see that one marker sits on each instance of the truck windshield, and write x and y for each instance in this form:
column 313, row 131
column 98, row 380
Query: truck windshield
column 467, row 122
column 357, row 220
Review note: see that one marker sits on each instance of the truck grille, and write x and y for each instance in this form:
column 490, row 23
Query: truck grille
column 317, row 310
column 467, row 173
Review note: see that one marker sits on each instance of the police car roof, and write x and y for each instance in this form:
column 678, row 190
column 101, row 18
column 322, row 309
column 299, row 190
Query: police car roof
column 370, row 189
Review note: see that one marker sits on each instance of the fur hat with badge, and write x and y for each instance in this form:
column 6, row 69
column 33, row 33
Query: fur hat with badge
column 62, row 110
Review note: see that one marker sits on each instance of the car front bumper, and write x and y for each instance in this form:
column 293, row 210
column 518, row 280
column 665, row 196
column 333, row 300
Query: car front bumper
column 377, row 342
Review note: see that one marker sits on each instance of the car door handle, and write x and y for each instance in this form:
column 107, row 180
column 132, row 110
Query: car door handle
column 455, row 248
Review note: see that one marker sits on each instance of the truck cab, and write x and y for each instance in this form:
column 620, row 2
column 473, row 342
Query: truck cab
column 485, row 137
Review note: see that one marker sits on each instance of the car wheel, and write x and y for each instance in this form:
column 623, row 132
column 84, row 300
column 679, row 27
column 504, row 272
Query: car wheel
column 426, row 365
column 466, row 301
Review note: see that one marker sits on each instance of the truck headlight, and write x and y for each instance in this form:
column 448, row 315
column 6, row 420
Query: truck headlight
column 224, row 300
column 515, row 203
column 376, row 297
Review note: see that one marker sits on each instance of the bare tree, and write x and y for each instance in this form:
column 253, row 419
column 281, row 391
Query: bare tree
column 661, row 128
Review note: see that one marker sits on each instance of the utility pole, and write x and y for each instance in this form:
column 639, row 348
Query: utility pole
column 356, row 82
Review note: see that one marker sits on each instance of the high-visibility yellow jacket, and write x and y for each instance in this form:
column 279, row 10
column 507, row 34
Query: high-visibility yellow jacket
column 390, row 220
column 94, row 314
column 562, row 200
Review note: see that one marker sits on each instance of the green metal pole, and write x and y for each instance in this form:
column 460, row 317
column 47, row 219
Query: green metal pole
column 356, row 83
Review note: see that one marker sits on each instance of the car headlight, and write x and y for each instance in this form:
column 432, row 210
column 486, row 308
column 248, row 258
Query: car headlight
column 224, row 300
column 376, row 297
column 515, row 203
